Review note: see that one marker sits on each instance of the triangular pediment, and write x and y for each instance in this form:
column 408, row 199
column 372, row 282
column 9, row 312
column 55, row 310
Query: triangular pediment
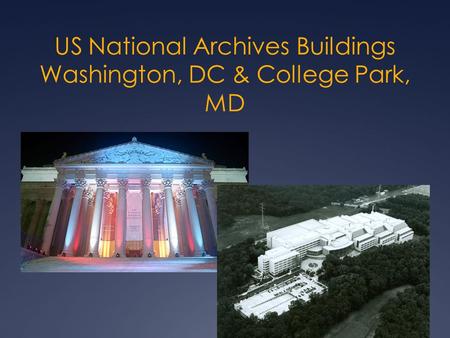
column 133, row 152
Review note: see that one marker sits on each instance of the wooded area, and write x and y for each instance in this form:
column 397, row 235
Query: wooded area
column 352, row 282
column 414, row 209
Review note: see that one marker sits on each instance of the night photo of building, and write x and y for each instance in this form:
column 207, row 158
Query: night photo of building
column 129, row 206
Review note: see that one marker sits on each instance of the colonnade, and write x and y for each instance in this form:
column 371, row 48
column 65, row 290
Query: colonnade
column 92, row 207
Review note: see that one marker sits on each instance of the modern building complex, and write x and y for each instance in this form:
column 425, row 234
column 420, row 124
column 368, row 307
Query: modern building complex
column 132, row 199
column 278, row 260
column 338, row 235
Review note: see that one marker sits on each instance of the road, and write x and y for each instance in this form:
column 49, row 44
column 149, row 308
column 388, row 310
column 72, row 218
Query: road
column 393, row 193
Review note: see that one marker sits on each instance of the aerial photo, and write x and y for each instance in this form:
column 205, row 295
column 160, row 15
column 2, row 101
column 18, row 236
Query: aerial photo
column 333, row 261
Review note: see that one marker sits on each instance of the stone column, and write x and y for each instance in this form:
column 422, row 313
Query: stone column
column 188, row 237
column 121, row 222
column 81, row 232
column 180, row 222
column 80, row 184
column 62, row 221
column 208, row 187
column 52, row 216
column 193, row 217
column 39, row 204
column 173, row 235
column 147, row 219
column 157, row 208
column 94, row 238
column 89, row 214
column 185, row 234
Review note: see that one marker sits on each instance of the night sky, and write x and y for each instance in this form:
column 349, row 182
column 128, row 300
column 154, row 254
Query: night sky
column 41, row 148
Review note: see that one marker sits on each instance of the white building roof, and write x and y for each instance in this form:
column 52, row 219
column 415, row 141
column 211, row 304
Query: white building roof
column 338, row 220
column 363, row 237
column 284, row 256
column 339, row 243
column 403, row 230
column 358, row 218
column 276, row 252
column 344, row 223
column 294, row 235
column 377, row 216
column 337, row 231
column 384, row 233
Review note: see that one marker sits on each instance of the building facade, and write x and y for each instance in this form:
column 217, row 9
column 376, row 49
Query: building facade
column 278, row 260
column 132, row 199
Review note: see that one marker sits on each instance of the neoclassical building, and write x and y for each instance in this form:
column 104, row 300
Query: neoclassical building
column 128, row 200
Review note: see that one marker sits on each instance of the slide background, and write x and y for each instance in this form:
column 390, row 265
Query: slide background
column 298, row 135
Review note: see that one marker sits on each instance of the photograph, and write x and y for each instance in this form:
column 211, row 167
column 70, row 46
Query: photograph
column 124, row 202
column 333, row 261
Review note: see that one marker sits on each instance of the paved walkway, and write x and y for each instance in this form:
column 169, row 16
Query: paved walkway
column 86, row 264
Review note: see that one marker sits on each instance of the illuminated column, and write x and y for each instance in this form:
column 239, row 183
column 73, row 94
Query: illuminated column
column 193, row 217
column 121, row 223
column 189, row 246
column 89, row 214
column 52, row 216
column 180, row 222
column 168, row 200
column 208, row 186
column 147, row 219
column 83, row 226
column 80, row 184
column 94, row 237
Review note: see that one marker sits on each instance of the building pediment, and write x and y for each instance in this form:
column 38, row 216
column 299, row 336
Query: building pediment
column 133, row 152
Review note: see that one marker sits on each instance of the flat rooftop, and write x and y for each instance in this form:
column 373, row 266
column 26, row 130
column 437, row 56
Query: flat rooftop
column 279, row 297
column 363, row 237
column 286, row 255
column 331, row 229
column 385, row 233
column 404, row 230
column 276, row 252
column 340, row 243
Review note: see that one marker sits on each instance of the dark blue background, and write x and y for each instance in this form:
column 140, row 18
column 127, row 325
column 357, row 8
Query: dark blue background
column 298, row 135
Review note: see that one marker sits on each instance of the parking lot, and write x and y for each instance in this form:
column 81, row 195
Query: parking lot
column 280, row 296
